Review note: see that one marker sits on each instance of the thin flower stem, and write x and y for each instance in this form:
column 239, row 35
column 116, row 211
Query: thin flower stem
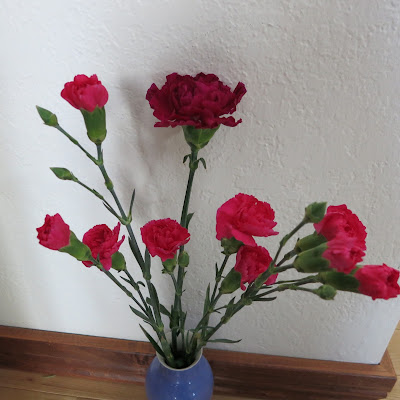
column 139, row 257
column 75, row 142
column 277, row 270
column 177, row 308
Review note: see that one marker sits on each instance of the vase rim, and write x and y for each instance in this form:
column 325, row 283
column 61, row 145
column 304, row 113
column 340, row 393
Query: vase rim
column 195, row 362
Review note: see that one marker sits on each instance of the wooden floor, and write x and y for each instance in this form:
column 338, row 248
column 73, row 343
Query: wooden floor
column 17, row 385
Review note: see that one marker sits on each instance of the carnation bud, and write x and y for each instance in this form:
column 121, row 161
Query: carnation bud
column 231, row 246
column 169, row 265
column 231, row 282
column 309, row 242
column 77, row 249
column 118, row 261
column 183, row 259
column 95, row 124
column 312, row 260
column 198, row 138
column 47, row 116
column 326, row 292
column 315, row 212
column 339, row 280
column 63, row 174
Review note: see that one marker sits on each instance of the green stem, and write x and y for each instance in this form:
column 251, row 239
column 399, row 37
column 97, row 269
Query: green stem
column 75, row 142
column 287, row 257
column 277, row 270
column 177, row 308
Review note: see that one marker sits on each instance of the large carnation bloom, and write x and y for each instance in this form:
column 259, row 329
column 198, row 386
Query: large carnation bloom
column 163, row 237
column 378, row 281
column 251, row 261
column 340, row 223
column 243, row 217
column 103, row 243
column 199, row 101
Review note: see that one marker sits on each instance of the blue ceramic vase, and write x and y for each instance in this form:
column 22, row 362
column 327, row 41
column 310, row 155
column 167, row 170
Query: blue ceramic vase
column 165, row 383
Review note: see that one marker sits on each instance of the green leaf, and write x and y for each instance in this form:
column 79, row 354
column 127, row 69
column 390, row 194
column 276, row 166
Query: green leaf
column 140, row 314
column 264, row 299
column 203, row 161
column 224, row 341
column 132, row 200
column 207, row 300
column 188, row 219
column 163, row 310
column 185, row 158
column 153, row 342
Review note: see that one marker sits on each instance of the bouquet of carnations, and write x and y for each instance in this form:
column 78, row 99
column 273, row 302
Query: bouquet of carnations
column 327, row 261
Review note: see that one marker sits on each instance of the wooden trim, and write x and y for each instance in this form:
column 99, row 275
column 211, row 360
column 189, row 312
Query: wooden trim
column 241, row 374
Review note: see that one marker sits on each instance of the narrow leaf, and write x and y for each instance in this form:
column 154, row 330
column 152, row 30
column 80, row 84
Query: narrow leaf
column 203, row 161
column 163, row 310
column 207, row 300
column 141, row 283
column 153, row 342
column 139, row 314
column 188, row 218
column 132, row 200
column 185, row 158
column 224, row 341
column 264, row 299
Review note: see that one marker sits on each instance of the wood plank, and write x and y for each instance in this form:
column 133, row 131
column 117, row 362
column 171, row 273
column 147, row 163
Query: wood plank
column 236, row 373
column 16, row 394
column 394, row 349
column 73, row 388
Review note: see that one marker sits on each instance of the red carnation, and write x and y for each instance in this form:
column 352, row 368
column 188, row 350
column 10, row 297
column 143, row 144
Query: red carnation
column 163, row 237
column 85, row 93
column 343, row 255
column 54, row 233
column 103, row 243
column 198, row 101
column 243, row 217
column 378, row 281
column 340, row 223
column 252, row 261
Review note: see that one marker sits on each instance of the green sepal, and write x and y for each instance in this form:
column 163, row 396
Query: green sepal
column 231, row 282
column 77, row 249
column 64, row 174
column 198, row 138
column 47, row 116
column 326, row 292
column 315, row 212
column 169, row 265
column 339, row 280
column 118, row 261
column 311, row 260
column 231, row 246
column 95, row 122
column 309, row 242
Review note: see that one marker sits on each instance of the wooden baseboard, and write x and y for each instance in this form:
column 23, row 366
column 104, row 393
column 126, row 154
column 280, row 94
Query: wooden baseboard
column 236, row 373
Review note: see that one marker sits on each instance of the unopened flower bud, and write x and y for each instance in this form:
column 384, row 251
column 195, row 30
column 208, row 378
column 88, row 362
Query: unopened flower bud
column 309, row 242
column 183, row 259
column 47, row 116
column 231, row 282
column 315, row 212
column 312, row 260
column 118, row 261
column 63, row 174
column 326, row 292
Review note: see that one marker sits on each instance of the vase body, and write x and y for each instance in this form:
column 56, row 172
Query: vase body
column 166, row 383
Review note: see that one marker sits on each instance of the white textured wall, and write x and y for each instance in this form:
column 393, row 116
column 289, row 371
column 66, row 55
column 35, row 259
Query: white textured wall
column 320, row 122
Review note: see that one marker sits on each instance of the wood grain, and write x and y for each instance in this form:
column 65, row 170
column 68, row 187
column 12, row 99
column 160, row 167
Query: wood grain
column 243, row 375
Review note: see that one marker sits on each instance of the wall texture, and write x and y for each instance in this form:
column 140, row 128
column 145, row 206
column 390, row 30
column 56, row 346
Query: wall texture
column 320, row 122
